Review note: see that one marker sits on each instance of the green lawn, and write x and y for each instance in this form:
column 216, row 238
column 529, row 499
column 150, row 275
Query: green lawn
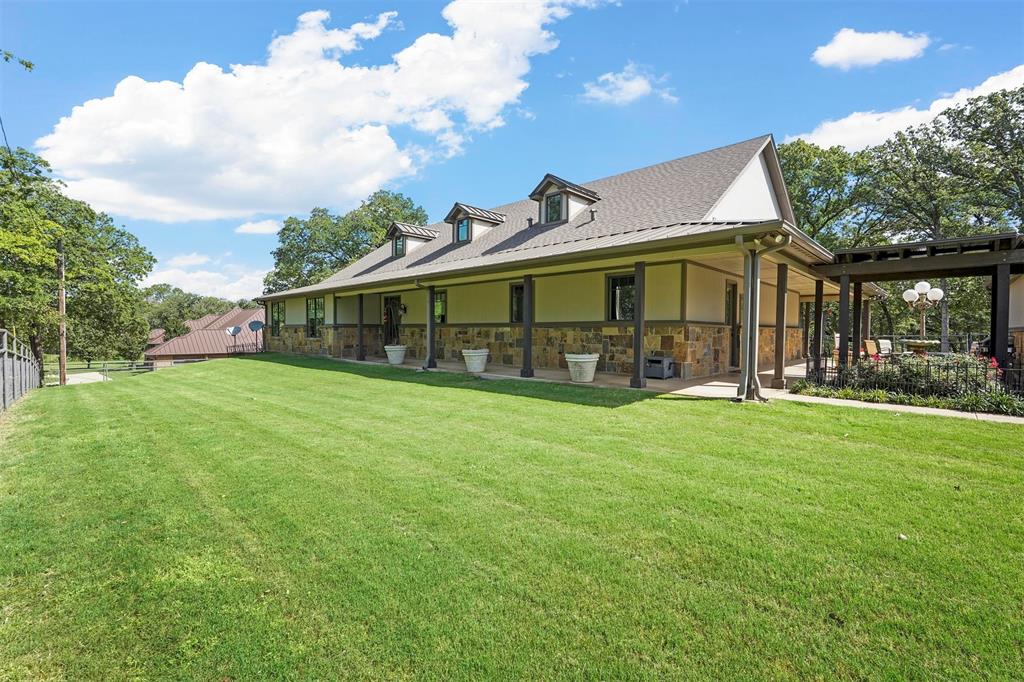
column 271, row 516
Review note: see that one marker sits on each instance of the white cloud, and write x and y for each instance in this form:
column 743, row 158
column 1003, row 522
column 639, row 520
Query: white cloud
column 259, row 227
column 232, row 281
column 185, row 260
column 622, row 87
column 865, row 128
column 303, row 128
column 850, row 48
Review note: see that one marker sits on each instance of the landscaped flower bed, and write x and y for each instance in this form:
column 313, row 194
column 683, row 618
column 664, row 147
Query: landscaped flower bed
column 958, row 382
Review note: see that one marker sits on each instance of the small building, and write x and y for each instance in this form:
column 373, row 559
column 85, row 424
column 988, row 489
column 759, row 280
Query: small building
column 209, row 338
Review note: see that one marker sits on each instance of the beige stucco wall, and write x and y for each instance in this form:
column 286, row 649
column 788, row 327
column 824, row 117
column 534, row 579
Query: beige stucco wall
column 485, row 302
column 416, row 306
column 663, row 294
column 328, row 308
column 576, row 298
column 766, row 312
column 705, row 294
column 1017, row 303
column 295, row 311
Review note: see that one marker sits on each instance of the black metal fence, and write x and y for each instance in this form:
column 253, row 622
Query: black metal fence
column 940, row 376
column 19, row 369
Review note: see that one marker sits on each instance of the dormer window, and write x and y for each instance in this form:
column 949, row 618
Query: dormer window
column 552, row 208
column 398, row 246
column 463, row 231
column 469, row 222
column 405, row 237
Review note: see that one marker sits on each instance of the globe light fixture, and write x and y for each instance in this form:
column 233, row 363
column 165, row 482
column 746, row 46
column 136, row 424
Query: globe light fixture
column 922, row 297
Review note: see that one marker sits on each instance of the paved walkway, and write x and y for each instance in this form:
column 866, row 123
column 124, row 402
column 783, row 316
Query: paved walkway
column 722, row 387
column 85, row 378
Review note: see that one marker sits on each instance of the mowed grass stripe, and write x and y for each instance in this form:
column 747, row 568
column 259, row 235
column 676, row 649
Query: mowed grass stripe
column 391, row 524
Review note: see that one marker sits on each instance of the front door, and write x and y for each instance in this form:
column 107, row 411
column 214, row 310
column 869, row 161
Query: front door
column 392, row 316
column 732, row 318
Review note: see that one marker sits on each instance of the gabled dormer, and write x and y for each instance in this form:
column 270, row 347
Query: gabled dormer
column 560, row 200
column 469, row 222
column 406, row 238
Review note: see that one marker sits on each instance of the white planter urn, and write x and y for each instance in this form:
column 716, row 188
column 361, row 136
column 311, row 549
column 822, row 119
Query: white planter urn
column 396, row 354
column 581, row 366
column 476, row 360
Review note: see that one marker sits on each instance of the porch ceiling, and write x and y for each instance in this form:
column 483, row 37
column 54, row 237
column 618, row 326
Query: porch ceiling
column 800, row 280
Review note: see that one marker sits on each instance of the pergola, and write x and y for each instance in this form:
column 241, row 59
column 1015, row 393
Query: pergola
column 996, row 256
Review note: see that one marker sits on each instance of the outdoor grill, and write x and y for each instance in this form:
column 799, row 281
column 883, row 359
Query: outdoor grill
column 659, row 368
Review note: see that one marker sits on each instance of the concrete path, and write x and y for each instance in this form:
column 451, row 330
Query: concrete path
column 85, row 378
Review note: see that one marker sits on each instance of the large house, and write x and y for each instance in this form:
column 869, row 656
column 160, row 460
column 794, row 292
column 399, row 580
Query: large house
column 665, row 260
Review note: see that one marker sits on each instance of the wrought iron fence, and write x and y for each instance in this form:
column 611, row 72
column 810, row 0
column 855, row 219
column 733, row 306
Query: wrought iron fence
column 19, row 369
column 241, row 348
column 940, row 376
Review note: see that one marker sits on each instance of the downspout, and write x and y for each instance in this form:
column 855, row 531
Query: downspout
column 750, row 385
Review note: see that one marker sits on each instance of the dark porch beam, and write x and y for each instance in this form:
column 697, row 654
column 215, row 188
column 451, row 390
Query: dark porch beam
column 638, row 380
column 998, row 344
column 431, row 361
column 781, row 284
column 858, row 333
column 527, row 370
column 818, row 322
column 951, row 265
column 844, row 320
column 360, row 343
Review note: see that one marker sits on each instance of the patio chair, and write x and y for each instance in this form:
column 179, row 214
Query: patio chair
column 884, row 347
column 870, row 348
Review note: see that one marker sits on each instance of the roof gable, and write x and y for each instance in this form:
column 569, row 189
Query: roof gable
column 410, row 230
column 460, row 209
column 541, row 189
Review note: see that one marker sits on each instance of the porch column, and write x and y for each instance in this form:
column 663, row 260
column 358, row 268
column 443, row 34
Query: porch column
column 430, row 361
column 527, row 370
column 858, row 334
column 819, row 322
column 638, row 380
column 844, row 320
column 998, row 344
column 865, row 319
column 781, row 284
column 805, row 336
column 360, row 344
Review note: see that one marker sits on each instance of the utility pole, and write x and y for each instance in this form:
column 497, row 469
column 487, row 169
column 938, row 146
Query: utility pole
column 62, row 329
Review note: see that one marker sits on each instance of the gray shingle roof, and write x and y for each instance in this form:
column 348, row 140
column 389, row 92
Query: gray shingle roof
column 662, row 201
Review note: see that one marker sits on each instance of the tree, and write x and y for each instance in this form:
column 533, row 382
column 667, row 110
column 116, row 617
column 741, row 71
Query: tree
column 988, row 134
column 104, row 266
column 919, row 200
column 169, row 308
column 314, row 248
column 826, row 190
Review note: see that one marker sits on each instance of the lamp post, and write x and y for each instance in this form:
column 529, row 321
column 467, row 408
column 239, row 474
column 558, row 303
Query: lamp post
column 922, row 297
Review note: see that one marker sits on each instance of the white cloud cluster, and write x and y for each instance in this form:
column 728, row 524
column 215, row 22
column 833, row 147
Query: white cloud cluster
column 259, row 227
column 626, row 86
column 865, row 128
column 187, row 260
column 231, row 280
column 850, row 48
column 303, row 128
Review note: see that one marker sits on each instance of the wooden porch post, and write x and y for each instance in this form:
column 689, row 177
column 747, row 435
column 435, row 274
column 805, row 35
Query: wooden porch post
column 858, row 334
column 844, row 320
column 360, row 344
column 998, row 345
column 638, row 380
column 819, row 322
column 781, row 284
column 865, row 319
column 527, row 370
column 430, row 362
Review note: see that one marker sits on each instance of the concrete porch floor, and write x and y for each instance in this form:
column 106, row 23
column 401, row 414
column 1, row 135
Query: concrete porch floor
column 723, row 386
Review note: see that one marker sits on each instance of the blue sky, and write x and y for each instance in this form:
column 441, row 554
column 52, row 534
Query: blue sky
column 478, row 104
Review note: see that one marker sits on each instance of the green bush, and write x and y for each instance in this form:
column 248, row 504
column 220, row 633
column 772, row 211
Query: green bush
column 985, row 400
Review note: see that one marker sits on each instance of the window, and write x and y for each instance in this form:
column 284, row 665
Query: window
column 552, row 208
column 516, row 303
column 440, row 306
column 276, row 317
column 398, row 249
column 621, row 297
column 314, row 317
column 462, row 233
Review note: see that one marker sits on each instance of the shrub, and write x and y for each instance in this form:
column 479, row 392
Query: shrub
column 986, row 400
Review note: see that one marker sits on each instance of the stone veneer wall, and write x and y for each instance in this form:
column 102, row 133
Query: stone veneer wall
column 1018, row 344
column 766, row 346
column 700, row 350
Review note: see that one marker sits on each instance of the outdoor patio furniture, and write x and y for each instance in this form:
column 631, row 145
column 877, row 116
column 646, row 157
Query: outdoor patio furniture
column 884, row 347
